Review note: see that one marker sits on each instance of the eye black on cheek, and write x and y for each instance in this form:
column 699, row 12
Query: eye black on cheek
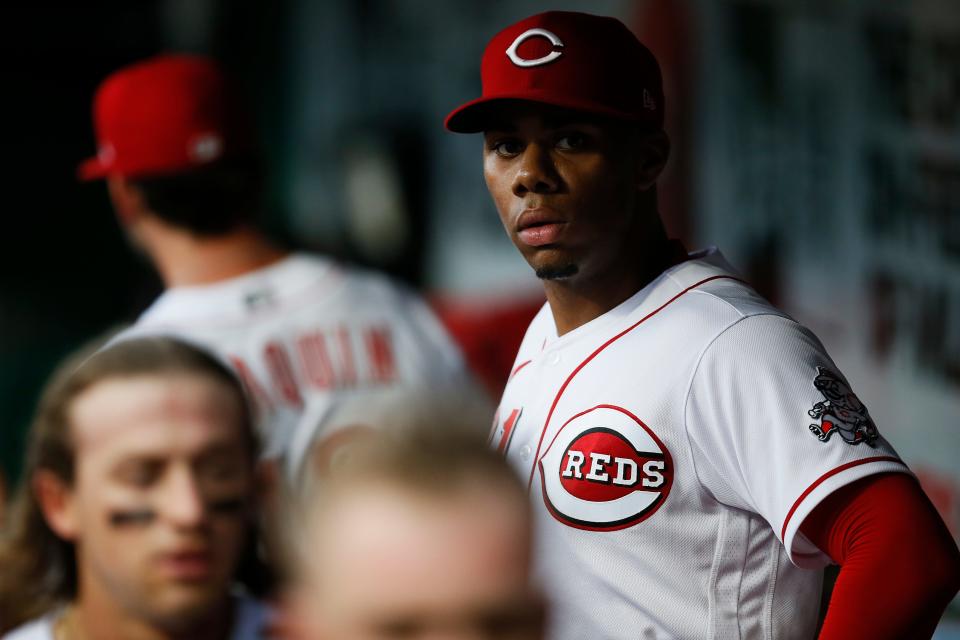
column 131, row 517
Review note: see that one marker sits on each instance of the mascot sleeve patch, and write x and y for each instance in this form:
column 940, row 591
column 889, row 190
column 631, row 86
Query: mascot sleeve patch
column 840, row 412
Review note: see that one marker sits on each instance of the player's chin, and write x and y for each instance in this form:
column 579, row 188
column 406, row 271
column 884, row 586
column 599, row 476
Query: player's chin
column 557, row 271
column 552, row 262
column 180, row 606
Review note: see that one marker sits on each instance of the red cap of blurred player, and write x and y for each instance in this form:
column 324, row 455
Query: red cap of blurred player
column 166, row 115
column 572, row 60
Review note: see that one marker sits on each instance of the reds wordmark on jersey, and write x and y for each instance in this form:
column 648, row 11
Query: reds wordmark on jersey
column 668, row 446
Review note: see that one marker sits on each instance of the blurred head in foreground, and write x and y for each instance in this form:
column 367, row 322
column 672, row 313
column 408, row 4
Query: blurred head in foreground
column 322, row 440
column 136, row 503
column 418, row 534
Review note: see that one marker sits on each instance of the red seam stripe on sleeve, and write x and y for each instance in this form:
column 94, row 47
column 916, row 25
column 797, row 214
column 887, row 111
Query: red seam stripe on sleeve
column 825, row 477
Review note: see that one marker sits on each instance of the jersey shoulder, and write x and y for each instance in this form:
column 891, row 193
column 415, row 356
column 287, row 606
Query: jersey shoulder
column 737, row 296
column 711, row 295
column 372, row 287
column 231, row 300
column 297, row 285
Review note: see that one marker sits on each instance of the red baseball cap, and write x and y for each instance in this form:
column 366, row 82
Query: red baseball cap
column 572, row 60
column 165, row 115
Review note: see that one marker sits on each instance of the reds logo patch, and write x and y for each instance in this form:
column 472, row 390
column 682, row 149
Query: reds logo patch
column 841, row 412
column 605, row 470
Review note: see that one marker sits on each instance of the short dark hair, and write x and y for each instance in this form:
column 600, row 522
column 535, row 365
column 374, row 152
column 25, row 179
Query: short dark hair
column 207, row 202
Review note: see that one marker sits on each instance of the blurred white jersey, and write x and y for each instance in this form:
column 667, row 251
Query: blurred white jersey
column 304, row 332
column 250, row 620
column 672, row 448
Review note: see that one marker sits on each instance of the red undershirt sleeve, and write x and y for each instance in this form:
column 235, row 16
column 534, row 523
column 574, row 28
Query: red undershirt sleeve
column 899, row 565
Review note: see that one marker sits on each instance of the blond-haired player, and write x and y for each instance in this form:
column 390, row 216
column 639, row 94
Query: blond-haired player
column 136, row 509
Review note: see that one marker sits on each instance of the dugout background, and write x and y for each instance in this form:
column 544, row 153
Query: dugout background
column 816, row 142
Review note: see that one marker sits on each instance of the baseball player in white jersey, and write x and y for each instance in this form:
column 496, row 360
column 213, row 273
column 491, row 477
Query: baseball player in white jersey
column 694, row 454
column 303, row 332
column 300, row 330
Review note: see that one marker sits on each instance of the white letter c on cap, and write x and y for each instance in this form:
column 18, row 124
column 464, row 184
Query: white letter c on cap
column 530, row 33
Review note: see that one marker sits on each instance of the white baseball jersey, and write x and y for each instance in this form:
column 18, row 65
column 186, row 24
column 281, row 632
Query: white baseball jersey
column 305, row 331
column 672, row 447
column 250, row 619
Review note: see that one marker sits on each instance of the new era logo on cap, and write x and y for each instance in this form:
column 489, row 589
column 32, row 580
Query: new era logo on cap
column 573, row 60
column 648, row 101
column 206, row 147
column 106, row 154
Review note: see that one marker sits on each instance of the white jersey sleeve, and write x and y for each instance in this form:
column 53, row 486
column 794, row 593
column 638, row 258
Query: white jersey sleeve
column 250, row 622
column 775, row 428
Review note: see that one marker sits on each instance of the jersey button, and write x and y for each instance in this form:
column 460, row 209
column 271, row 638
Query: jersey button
column 525, row 452
column 553, row 358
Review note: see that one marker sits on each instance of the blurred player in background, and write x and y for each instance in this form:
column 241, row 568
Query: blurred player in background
column 694, row 454
column 184, row 179
column 136, row 509
column 420, row 533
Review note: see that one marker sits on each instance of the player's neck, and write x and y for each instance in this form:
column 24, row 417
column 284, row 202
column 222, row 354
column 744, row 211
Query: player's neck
column 183, row 259
column 95, row 615
column 574, row 306
column 577, row 300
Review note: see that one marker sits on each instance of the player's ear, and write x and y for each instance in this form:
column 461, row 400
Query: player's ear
column 653, row 149
column 127, row 199
column 57, row 503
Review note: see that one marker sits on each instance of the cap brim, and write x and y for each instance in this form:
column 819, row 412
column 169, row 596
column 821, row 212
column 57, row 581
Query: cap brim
column 475, row 116
column 91, row 169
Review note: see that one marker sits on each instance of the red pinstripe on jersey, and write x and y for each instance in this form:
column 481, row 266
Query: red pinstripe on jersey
column 520, row 366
